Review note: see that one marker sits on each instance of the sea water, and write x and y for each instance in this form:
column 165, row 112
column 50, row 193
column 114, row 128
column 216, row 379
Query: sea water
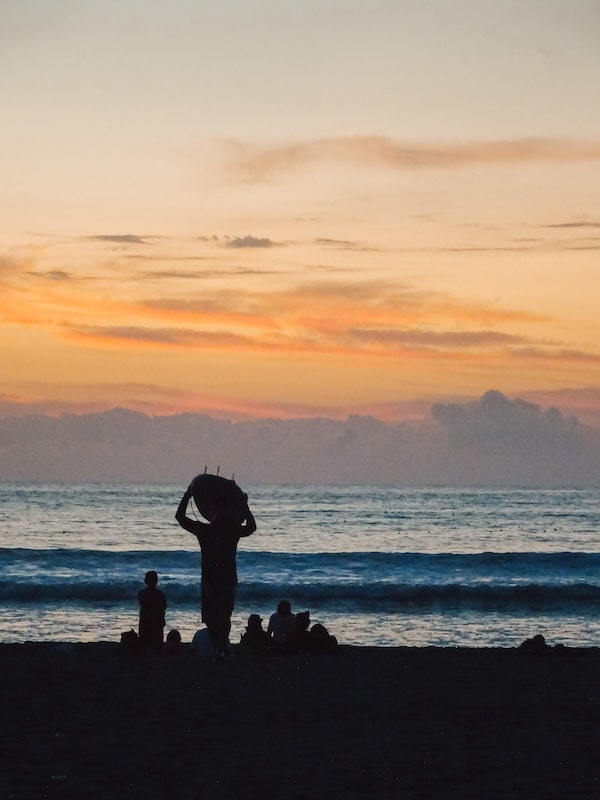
column 376, row 565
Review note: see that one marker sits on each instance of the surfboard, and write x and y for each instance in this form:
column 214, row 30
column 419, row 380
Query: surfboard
column 223, row 494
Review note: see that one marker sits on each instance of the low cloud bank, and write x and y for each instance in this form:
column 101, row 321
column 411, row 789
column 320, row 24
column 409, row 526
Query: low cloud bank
column 493, row 441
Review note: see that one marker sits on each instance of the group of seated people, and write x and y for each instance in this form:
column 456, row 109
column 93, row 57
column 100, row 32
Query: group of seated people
column 133, row 644
column 287, row 633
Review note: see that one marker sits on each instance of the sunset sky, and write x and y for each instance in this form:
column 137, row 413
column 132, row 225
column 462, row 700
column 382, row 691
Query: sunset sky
column 276, row 208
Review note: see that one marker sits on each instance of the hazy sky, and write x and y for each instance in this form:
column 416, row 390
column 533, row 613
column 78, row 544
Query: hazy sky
column 298, row 208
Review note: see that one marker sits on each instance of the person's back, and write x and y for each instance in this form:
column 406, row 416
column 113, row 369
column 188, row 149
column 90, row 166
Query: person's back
column 301, row 640
column 153, row 604
column 173, row 646
column 201, row 643
column 218, row 546
column 321, row 641
column 282, row 626
column 255, row 637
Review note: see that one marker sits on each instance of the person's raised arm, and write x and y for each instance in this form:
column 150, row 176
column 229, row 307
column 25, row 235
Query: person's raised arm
column 250, row 525
column 191, row 525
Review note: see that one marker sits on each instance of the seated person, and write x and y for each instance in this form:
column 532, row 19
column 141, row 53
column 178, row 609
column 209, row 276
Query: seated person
column 301, row 641
column 255, row 637
column 202, row 644
column 173, row 645
column 281, row 627
column 536, row 646
column 321, row 641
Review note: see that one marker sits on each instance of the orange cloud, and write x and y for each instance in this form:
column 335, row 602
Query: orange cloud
column 280, row 322
column 371, row 318
column 157, row 337
column 558, row 354
column 254, row 163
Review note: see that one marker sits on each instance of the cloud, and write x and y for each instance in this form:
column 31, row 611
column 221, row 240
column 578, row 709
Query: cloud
column 497, row 423
column 125, row 238
column 55, row 275
column 254, row 163
column 344, row 244
column 199, row 307
column 331, row 269
column 493, row 441
column 162, row 258
column 202, row 274
column 521, row 245
column 179, row 337
column 436, row 340
column 583, row 403
column 371, row 317
column 559, row 354
column 278, row 322
column 382, row 318
column 240, row 242
column 578, row 224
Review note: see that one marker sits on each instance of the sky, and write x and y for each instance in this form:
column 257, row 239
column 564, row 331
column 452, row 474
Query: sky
column 260, row 208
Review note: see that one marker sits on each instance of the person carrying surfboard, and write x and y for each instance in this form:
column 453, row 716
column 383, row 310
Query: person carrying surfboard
column 218, row 539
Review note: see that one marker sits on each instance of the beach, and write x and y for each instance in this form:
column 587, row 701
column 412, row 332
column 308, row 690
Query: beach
column 86, row 721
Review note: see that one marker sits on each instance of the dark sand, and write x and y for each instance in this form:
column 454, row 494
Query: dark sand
column 83, row 721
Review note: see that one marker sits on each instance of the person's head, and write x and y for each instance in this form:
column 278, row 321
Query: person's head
column 284, row 608
column 151, row 578
column 254, row 623
column 319, row 632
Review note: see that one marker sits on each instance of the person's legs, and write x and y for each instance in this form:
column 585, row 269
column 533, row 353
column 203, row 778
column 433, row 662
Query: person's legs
column 210, row 612
column 226, row 603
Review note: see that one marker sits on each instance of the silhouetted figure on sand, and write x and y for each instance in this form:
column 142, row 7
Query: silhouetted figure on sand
column 130, row 643
column 281, row 627
column 255, row 637
column 536, row 646
column 218, row 539
column 201, row 643
column 153, row 604
column 173, row 645
column 321, row 641
column 301, row 641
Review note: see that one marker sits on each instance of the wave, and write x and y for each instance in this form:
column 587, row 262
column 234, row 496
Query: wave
column 371, row 581
column 582, row 598
column 64, row 556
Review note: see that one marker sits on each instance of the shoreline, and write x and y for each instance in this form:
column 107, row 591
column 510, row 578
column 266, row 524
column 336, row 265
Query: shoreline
column 113, row 647
column 83, row 720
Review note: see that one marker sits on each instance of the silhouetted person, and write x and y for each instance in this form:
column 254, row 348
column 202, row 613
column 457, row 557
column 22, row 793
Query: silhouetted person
column 173, row 645
column 153, row 604
column 282, row 626
column 218, row 540
column 255, row 637
column 202, row 644
column 321, row 641
column 536, row 646
column 130, row 643
column 301, row 641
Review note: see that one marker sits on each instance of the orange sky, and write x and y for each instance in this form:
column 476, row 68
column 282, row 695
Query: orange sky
column 372, row 228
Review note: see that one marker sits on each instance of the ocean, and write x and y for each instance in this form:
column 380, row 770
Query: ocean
column 377, row 565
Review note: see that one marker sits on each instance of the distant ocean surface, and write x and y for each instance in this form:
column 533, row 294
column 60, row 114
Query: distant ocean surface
column 377, row 565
